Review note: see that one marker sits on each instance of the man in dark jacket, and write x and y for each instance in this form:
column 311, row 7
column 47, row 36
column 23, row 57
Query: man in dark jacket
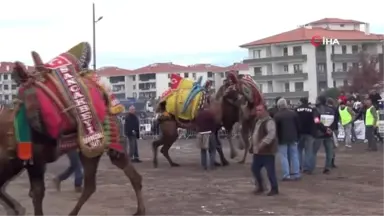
column 287, row 128
column 334, row 126
column 274, row 109
column 324, row 135
column 132, row 132
column 307, row 129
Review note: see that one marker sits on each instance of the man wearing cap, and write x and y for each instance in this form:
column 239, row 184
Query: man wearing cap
column 347, row 116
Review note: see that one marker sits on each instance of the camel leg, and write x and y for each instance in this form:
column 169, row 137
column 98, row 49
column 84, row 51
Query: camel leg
column 233, row 152
column 165, row 150
column 244, row 138
column 90, row 169
column 8, row 171
column 123, row 162
column 155, row 145
column 36, row 172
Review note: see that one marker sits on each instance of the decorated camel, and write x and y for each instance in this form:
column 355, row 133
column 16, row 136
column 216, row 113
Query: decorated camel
column 60, row 107
column 239, row 95
column 178, row 107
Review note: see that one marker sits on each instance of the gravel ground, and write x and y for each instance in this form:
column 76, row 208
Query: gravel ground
column 356, row 187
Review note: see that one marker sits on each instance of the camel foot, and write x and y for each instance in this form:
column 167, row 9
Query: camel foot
column 175, row 165
column 233, row 155
column 241, row 162
column 139, row 212
column 225, row 163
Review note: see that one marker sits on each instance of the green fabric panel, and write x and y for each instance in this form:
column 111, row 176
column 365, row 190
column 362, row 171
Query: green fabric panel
column 22, row 130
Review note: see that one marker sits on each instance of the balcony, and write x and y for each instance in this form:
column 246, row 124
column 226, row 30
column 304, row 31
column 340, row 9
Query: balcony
column 345, row 57
column 340, row 75
column 277, row 59
column 287, row 95
column 285, row 76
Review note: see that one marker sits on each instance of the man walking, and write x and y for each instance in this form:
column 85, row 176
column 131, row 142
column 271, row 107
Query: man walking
column 306, row 132
column 370, row 124
column 347, row 116
column 263, row 147
column 74, row 167
column 132, row 132
column 287, row 128
column 324, row 134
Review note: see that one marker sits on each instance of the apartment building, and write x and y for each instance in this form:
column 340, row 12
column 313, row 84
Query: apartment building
column 288, row 65
column 152, row 80
column 8, row 88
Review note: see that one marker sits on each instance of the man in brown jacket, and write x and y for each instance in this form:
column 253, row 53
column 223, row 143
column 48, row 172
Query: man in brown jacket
column 264, row 146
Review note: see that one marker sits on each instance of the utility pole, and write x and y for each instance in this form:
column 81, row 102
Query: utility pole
column 94, row 21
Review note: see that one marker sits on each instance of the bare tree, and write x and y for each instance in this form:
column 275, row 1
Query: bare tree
column 366, row 75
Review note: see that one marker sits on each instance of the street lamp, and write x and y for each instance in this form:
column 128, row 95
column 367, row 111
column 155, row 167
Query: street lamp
column 94, row 21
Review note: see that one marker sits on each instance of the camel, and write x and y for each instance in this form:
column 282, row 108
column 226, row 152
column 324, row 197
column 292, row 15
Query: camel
column 48, row 120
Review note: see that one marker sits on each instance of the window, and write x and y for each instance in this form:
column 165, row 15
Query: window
column 285, row 51
column 297, row 50
column 5, row 76
column 270, row 86
column 256, row 54
column 257, row 71
column 286, row 87
column 355, row 65
column 134, row 94
column 186, row 75
column 209, row 74
column 341, row 25
column 286, row 68
column 116, row 79
column 134, row 87
column 134, row 77
column 344, row 49
column 147, row 77
column 322, row 85
column 345, row 66
column 6, row 97
column 355, row 49
column 299, row 86
column 222, row 75
column 14, row 87
column 321, row 67
column 6, row 87
column 194, row 75
column 333, row 66
column 298, row 68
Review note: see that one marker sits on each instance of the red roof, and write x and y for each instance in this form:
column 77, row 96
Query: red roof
column 335, row 21
column 204, row 68
column 160, row 68
column 306, row 34
column 113, row 71
column 237, row 67
column 7, row 67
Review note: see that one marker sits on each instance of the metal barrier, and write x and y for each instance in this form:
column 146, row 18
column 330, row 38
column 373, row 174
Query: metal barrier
column 150, row 130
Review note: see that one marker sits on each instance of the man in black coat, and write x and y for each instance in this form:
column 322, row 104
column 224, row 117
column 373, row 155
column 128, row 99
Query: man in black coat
column 307, row 129
column 287, row 129
column 132, row 132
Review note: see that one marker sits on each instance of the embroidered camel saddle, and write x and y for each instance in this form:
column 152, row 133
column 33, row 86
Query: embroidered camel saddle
column 68, row 102
column 185, row 100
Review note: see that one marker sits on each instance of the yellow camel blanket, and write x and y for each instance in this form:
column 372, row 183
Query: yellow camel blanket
column 175, row 99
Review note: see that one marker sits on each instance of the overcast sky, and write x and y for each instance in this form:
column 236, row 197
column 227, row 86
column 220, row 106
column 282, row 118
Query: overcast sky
column 134, row 33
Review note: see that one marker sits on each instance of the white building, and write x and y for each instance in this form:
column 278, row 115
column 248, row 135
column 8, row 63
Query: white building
column 152, row 80
column 8, row 88
column 288, row 65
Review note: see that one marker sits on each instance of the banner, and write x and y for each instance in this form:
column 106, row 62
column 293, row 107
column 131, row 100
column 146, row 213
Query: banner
column 359, row 129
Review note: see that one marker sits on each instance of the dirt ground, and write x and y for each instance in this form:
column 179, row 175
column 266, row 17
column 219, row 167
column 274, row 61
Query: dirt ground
column 354, row 188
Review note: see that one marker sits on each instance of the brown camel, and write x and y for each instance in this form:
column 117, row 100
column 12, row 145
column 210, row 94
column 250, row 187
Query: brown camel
column 45, row 148
column 239, row 96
